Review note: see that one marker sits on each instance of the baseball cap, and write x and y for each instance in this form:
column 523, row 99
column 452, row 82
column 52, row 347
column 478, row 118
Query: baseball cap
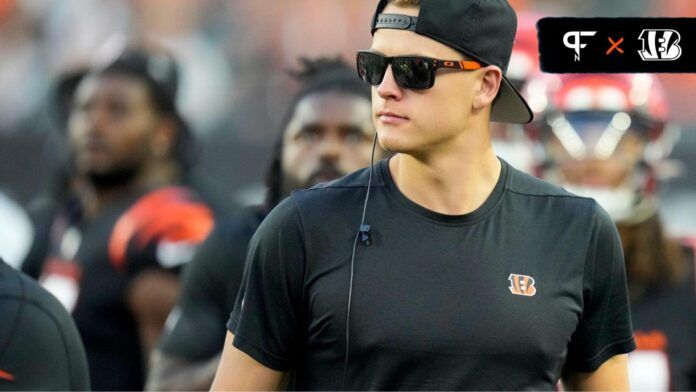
column 157, row 68
column 481, row 29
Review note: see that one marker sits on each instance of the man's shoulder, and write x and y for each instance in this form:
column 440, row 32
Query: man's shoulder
column 324, row 203
column 171, row 221
column 237, row 228
column 534, row 194
column 27, row 297
column 356, row 179
column 37, row 324
column 339, row 190
column 525, row 184
column 227, row 243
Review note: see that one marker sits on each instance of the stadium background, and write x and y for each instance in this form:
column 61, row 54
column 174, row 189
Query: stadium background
column 234, row 88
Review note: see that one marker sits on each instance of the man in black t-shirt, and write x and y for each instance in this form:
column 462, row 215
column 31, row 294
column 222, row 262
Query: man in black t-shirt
column 441, row 268
column 327, row 133
column 40, row 348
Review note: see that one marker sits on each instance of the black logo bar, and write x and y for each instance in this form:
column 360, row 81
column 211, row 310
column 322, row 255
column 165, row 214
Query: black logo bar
column 630, row 45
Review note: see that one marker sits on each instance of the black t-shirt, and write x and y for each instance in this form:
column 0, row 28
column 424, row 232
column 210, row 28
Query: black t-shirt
column 664, row 321
column 505, row 297
column 40, row 348
column 210, row 283
column 91, row 264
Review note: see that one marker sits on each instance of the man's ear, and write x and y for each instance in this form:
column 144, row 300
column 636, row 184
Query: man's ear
column 491, row 79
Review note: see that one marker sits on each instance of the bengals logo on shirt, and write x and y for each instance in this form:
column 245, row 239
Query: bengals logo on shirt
column 522, row 285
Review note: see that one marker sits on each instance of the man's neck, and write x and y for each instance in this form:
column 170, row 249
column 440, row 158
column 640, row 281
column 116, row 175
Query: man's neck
column 96, row 199
column 451, row 181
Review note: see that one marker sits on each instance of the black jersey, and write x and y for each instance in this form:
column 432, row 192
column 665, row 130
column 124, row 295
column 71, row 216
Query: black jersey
column 210, row 283
column 664, row 320
column 40, row 348
column 505, row 297
column 90, row 265
column 45, row 209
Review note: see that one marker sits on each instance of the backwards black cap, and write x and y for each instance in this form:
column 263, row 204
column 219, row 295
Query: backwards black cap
column 482, row 29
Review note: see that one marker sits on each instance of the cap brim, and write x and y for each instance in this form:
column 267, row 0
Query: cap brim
column 510, row 107
column 63, row 91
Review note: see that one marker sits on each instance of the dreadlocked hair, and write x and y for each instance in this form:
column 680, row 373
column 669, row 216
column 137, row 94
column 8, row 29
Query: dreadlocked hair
column 320, row 75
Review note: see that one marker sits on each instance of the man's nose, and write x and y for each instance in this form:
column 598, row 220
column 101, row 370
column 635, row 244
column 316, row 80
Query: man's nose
column 388, row 88
column 330, row 147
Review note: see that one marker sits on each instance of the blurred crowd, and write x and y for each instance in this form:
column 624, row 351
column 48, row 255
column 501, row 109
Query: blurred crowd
column 130, row 130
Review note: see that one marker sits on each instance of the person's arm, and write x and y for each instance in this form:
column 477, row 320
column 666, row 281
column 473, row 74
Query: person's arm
column 597, row 350
column 151, row 296
column 265, row 338
column 189, row 350
column 172, row 373
column 149, row 243
column 240, row 372
column 611, row 376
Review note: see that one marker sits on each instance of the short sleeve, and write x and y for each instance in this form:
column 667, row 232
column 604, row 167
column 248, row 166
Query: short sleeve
column 267, row 317
column 160, row 230
column 209, row 280
column 605, row 326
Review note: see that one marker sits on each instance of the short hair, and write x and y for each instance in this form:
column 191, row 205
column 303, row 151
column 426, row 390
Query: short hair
column 405, row 3
column 320, row 75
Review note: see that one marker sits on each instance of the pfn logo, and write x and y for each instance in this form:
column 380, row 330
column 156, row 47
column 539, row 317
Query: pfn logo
column 522, row 285
column 575, row 44
column 662, row 45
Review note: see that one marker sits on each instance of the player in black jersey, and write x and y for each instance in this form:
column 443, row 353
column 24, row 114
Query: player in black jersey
column 606, row 136
column 115, row 248
column 327, row 133
column 443, row 267
column 41, row 348
column 178, row 166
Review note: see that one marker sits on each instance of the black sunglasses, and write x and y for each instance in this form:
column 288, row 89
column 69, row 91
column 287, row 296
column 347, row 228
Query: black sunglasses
column 411, row 72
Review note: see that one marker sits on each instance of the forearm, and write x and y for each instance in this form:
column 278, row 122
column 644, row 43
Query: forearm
column 151, row 296
column 170, row 373
column 611, row 376
column 238, row 371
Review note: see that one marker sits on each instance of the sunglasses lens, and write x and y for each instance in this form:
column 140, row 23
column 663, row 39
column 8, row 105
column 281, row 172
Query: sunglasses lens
column 371, row 68
column 413, row 72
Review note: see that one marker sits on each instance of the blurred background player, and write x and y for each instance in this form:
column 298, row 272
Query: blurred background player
column 41, row 348
column 607, row 137
column 116, row 242
column 327, row 133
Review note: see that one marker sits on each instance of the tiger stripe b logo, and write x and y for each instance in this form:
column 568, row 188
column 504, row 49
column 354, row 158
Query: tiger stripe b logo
column 522, row 285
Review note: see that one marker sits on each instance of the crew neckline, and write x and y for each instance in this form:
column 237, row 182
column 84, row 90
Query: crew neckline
column 474, row 216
